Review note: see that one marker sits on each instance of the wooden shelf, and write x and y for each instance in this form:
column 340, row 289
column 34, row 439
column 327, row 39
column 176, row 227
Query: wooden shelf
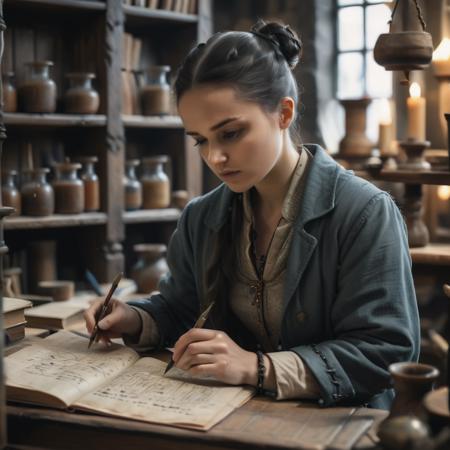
column 438, row 254
column 151, row 215
column 152, row 122
column 136, row 15
column 67, row 5
column 54, row 221
column 54, row 120
column 413, row 177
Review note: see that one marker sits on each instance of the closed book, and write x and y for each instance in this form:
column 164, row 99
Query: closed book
column 54, row 316
column 14, row 311
column 15, row 333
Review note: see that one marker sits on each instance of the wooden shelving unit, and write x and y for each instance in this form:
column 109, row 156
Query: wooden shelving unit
column 82, row 35
column 413, row 177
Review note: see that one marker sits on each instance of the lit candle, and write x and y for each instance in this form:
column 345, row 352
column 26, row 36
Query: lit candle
column 385, row 128
column 416, row 113
column 441, row 59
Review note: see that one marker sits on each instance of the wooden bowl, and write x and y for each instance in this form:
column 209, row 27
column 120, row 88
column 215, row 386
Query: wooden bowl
column 59, row 290
column 436, row 404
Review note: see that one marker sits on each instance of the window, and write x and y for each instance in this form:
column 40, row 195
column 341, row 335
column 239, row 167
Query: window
column 359, row 23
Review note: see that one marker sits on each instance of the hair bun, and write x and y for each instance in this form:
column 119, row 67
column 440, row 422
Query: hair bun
column 288, row 42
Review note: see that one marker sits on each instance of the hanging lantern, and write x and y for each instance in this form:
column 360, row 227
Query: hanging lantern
column 405, row 50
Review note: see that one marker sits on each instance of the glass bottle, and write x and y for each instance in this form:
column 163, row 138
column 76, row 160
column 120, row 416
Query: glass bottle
column 38, row 198
column 69, row 189
column 10, row 194
column 132, row 186
column 81, row 97
column 155, row 94
column 150, row 266
column 38, row 92
column 9, row 93
column 155, row 183
column 91, row 184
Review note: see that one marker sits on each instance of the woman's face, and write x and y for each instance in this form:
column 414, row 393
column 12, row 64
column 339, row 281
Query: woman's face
column 238, row 140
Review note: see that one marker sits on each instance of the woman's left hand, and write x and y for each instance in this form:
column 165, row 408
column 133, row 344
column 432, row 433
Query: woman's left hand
column 213, row 353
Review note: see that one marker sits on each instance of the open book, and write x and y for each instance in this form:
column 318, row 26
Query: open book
column 61, row 372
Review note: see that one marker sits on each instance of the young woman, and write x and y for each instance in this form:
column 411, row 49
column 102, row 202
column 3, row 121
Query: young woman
column 308, row 265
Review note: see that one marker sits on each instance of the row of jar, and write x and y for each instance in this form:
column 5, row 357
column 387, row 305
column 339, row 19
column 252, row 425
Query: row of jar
column 151, row 190
column 70, row 194
column 38, row 92
column 66, row 194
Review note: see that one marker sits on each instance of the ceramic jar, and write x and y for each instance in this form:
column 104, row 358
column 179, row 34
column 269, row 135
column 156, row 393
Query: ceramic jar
column 150, row 266
column 91, row 184
column 81, row 97
column 10, row 193
column 38, row 198
column 155, row 94
column 132, row 186
column 155, row 183
column 38, row 92
column 69, row 189
column 9, row 93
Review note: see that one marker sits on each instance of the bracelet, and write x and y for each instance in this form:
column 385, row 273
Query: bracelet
column 261, row 372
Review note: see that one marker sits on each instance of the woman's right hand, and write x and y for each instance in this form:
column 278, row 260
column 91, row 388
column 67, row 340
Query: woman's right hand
column 120, row 319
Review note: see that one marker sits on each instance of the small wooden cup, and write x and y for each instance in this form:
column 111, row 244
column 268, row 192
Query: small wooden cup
column 59, row 290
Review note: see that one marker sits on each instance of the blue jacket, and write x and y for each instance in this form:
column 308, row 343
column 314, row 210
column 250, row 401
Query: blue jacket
column 349, row 302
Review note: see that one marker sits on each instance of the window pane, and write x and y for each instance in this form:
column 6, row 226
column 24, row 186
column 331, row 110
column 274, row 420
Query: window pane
column 349, row 2
column 350, row 75
column 378, row 80
column 377, row 17
column 379, row 1
column 351, row 33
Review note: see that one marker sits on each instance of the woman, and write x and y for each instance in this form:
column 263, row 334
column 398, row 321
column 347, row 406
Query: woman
column 308, row 264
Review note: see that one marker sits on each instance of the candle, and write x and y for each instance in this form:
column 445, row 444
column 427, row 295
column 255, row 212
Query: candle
column 441, row 59
column 385, row 128
column 416, row 114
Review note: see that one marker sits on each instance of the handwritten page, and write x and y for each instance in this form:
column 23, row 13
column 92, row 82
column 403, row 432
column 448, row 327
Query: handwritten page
column 141, row 392
column 62, row 366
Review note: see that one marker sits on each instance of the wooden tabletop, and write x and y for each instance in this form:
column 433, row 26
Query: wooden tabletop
column 259, row 424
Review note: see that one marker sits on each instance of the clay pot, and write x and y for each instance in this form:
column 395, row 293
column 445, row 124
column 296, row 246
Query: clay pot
column 405, row 50
column 150, row 266
column 69, row 189
column 38, row 92
column 9, row 93
column 10, row 193
column 81, row 97
column 38, row 198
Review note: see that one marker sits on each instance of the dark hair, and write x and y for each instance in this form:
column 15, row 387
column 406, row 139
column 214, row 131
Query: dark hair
column 258, row 65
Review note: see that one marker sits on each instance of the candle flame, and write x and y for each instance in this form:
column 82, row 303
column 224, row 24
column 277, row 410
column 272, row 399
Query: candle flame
column 384, row 111
column 414, row 90
column 443, row 192
column 442, row 52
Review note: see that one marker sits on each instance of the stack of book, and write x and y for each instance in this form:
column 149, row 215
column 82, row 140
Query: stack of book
column 131, row 55
column 14, row 319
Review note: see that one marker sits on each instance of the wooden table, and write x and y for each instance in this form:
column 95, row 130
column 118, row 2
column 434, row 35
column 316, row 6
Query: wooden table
column 259, row 424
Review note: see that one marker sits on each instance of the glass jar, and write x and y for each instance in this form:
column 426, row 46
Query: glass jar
column 38, row 92
column 38, row 198
column 10, row 194
column 150, row 266
column 91, row 184
column 81, row 97
column 132, row 186
column 69, row 189
column 155, row 183
column 9, row 93
column 155, row 94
